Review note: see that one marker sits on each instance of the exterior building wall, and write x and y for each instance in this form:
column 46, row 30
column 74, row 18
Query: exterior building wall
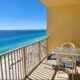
column 63, row 25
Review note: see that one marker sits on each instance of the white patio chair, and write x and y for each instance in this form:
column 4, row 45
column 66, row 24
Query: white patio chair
column 66, row 62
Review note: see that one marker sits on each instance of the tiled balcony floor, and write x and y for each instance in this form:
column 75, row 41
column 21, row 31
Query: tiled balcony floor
column 45, row 72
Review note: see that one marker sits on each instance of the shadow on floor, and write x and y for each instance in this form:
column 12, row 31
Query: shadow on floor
column 78, row 64
column 76, row 77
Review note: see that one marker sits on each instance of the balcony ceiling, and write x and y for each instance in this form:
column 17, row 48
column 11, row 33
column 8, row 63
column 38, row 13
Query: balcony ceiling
column 54, row 3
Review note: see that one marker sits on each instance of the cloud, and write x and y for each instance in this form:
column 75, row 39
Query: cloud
column 22, row 27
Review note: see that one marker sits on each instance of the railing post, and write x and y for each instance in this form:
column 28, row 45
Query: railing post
column 5, row 66
column 39, row 51
column 24, row 53
column 47, row 47
column 1, row 76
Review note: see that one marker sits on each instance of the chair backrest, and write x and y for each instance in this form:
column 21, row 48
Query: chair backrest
column 68, row 45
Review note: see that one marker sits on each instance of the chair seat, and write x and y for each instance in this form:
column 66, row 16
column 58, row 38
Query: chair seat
column 52, row 57
column 65, row 64
column 78, row 59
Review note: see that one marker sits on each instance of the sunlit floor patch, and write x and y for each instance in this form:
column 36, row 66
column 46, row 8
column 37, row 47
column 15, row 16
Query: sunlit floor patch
column 45, row 72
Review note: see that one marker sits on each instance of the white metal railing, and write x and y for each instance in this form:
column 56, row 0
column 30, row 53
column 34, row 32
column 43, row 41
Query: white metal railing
column 19, row 63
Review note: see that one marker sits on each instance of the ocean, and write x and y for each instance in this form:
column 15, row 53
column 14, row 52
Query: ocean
column 12, row 39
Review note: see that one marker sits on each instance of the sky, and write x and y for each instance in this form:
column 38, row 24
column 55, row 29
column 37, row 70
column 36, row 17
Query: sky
column 22, row 14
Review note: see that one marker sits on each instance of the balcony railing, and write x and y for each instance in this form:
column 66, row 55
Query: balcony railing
column 18, row 64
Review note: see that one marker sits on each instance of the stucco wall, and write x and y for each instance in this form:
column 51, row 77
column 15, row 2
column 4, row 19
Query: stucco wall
column 63, row 25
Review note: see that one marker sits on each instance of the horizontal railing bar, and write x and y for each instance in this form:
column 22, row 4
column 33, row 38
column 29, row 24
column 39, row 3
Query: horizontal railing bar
column 21, row 47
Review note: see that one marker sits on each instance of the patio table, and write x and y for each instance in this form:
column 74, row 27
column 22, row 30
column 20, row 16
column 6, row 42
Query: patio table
column 72, row 53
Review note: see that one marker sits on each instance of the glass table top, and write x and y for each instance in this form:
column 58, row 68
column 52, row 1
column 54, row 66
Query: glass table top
column 70, row 51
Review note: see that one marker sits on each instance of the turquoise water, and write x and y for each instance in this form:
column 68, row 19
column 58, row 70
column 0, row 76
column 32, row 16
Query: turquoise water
column 12, row 39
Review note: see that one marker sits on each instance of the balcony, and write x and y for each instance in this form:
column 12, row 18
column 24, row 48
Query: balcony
column 29, row 63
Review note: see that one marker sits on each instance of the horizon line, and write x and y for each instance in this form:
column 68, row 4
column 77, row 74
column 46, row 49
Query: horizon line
column 23, row 29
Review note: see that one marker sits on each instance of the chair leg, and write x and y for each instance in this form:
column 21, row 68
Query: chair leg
column 72, row 75
column 58, row 71
column 76, row 71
